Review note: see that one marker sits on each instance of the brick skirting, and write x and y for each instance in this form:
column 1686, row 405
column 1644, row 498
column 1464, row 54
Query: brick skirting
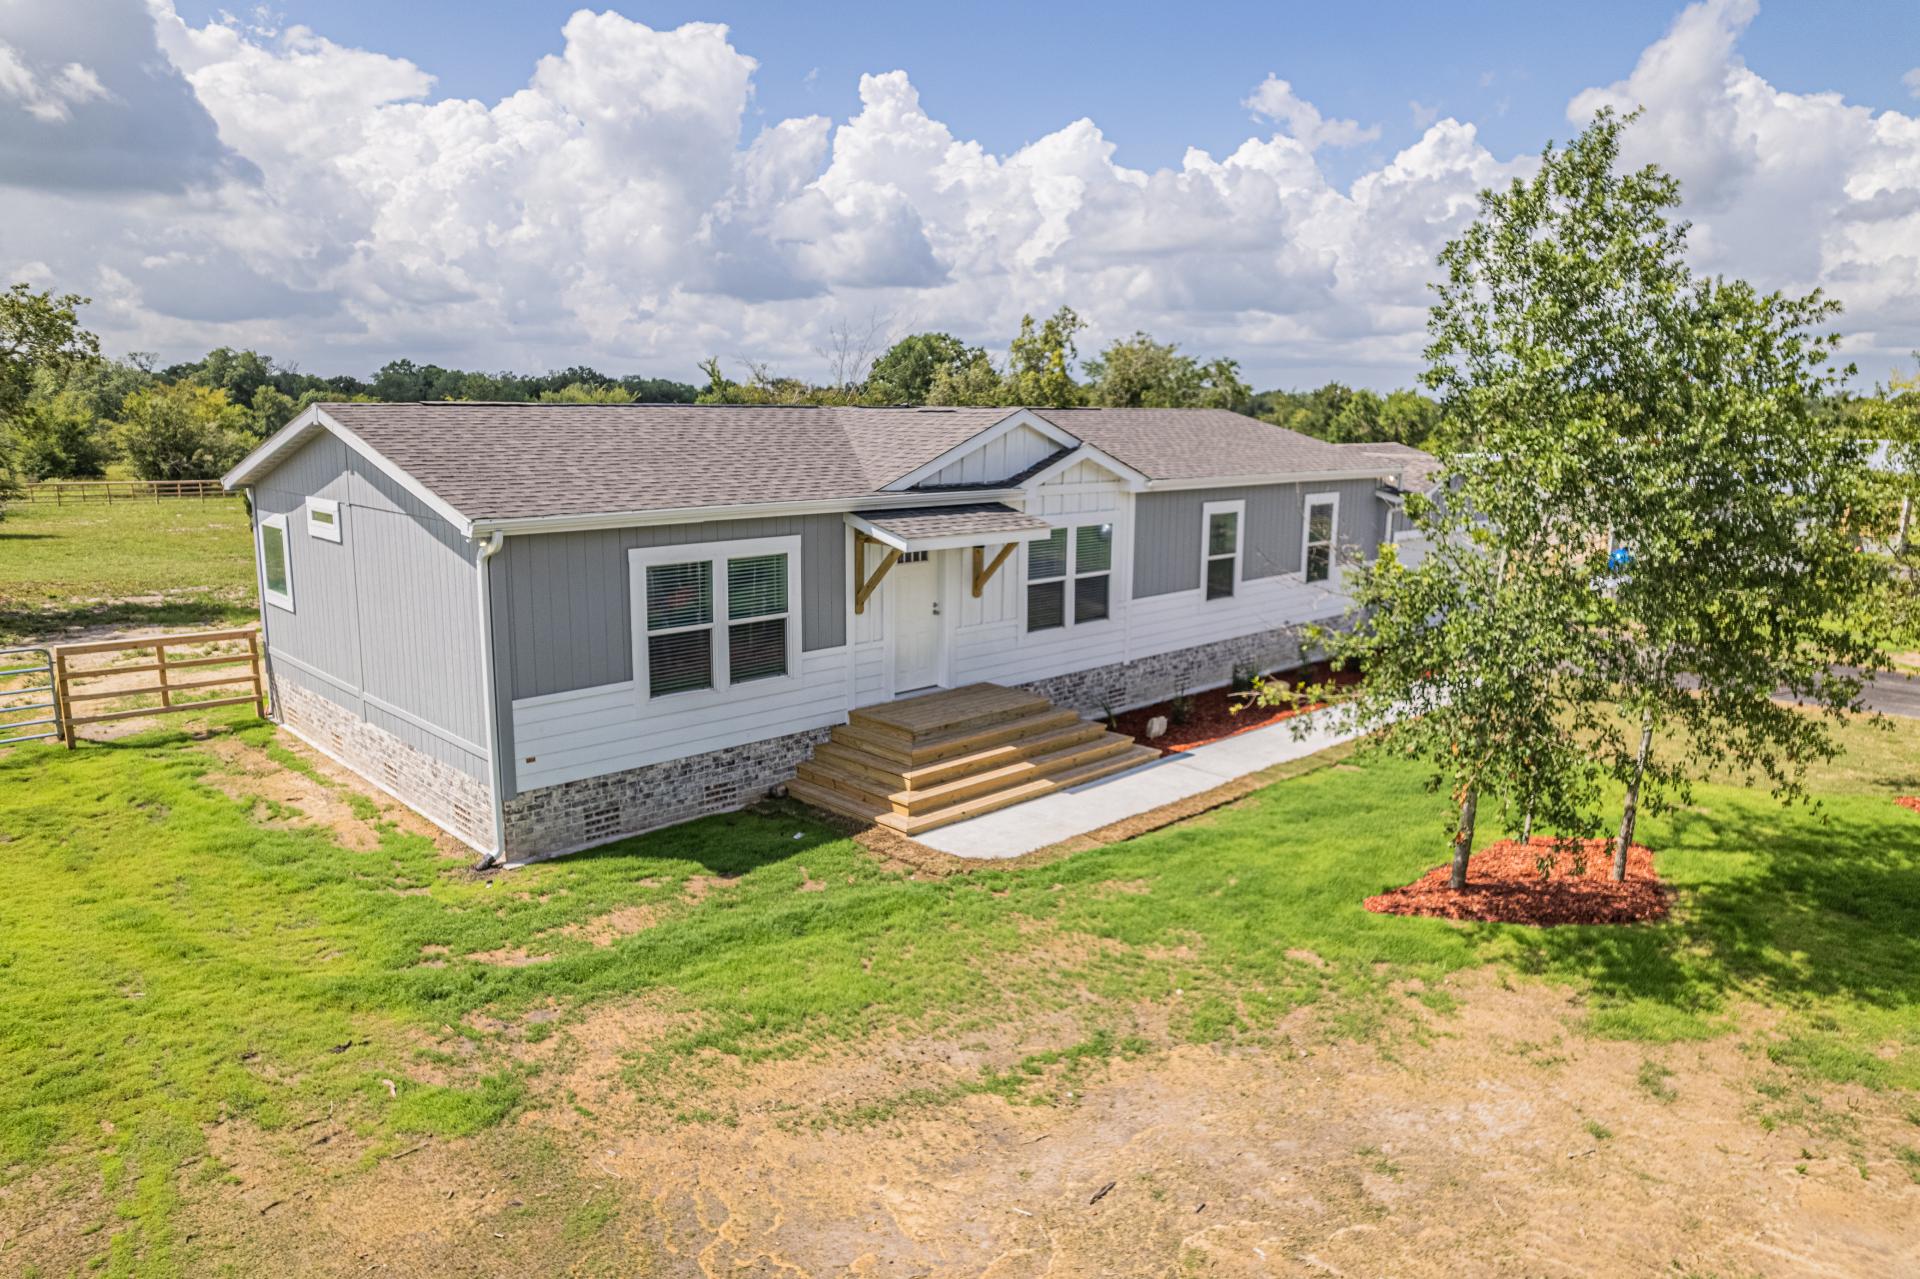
column 1146, row 680
column 596, row 810
column 441, row 793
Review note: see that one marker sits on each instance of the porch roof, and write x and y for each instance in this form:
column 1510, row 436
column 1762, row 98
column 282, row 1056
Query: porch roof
column 939, row 528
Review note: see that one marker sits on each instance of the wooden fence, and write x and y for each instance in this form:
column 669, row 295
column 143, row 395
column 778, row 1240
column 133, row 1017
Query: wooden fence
column 248, row 685
column 63, row 492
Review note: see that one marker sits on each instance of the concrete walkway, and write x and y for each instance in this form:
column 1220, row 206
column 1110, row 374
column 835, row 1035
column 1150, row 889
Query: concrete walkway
column 1052, row 818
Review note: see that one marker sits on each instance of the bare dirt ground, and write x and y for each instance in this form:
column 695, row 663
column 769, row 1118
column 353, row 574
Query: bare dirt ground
column 1493, row 1139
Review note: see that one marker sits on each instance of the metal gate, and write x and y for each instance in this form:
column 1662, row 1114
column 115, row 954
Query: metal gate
column 27, row 688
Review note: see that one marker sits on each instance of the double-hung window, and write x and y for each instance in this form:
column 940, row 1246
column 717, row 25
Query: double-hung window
column 1222, row 537
column 716, row 616
column 1317, row 537
column 1070, row 577
column 276, row 569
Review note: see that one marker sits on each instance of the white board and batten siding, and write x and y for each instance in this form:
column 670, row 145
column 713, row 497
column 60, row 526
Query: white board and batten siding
column 1009, row 453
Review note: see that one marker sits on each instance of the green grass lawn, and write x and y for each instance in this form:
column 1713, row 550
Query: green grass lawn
column 177, row 563
column 171, row 957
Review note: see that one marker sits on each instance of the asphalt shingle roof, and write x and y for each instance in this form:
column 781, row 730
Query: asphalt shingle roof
column 1416, row 467
column 527, row 461
column 973, row 519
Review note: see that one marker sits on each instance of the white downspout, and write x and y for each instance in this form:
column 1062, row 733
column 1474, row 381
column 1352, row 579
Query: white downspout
column 488, row 549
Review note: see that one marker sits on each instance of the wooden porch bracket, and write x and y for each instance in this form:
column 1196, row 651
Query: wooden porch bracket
column 983, row 575
column 865, row 586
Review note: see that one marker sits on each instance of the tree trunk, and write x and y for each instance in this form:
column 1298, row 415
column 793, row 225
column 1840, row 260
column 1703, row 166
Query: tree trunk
column 1632, row 807
column 1900, row 537
column 1463, row 840
column 1526, row 826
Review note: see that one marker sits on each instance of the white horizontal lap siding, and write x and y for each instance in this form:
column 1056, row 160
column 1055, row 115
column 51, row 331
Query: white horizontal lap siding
column 1185, row 619
column 591, row 732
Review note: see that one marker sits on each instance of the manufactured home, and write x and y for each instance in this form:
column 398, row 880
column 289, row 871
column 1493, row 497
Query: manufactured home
column 547, row 626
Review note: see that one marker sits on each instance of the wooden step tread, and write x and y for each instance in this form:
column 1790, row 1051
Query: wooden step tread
column 1066, row 780
column 918, row 802
column 907, row 777
column 932, row 750
column 915, row 719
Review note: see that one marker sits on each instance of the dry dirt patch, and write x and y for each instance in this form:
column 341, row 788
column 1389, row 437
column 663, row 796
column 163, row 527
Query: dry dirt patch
column 1504, row 1142
column 604, row 930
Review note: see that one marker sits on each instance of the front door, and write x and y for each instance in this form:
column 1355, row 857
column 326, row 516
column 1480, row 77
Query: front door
column 917, row 628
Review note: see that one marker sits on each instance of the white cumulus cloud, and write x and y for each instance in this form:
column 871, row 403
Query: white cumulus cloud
column 625, row 207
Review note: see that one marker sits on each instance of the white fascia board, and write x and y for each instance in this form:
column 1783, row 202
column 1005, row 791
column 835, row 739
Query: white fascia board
column 1135, row 481
column 736, row 511
column 1241, row 481
column 302, row 428
column 1006, row 425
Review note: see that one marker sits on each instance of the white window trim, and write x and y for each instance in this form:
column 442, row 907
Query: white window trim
column 279, row 599
column 641, row 558
column 1237, row 508
column 1072, row 574
column 324, row 506
column 1333, row 540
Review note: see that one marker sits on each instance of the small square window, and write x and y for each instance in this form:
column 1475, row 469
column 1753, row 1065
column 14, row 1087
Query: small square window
column 323, row 519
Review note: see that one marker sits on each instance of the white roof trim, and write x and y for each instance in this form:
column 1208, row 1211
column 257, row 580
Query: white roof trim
column 301, row 429
column 1134, row 480
column 1248, row 481
column 1005, row 426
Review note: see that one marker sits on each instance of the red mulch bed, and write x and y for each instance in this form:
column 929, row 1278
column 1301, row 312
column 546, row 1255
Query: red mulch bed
column 1909, row 802
column 1210, row 715
column 1504, row 887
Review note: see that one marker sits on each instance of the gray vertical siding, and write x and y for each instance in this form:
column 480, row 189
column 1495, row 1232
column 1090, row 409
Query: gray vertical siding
column 1167, row 530
column 385, row 622
column 564, row 619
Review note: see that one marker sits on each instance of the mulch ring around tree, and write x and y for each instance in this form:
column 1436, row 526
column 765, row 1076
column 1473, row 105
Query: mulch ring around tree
column 1909, row 802
column 1505, row 886
column 1199, row 718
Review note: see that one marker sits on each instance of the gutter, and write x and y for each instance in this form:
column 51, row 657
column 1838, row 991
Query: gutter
column 488, row 549
column 882, row 501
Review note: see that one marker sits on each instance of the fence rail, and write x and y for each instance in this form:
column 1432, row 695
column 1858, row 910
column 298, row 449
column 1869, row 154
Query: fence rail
column 244, row 686
column 62, row 492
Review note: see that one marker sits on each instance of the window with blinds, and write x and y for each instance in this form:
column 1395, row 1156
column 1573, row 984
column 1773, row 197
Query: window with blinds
column 1069, row 577
column 718, row 621
column 757, row 614
column 679, row 628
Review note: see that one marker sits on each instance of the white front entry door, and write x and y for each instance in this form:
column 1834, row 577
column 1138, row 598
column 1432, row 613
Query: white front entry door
column 917, row 628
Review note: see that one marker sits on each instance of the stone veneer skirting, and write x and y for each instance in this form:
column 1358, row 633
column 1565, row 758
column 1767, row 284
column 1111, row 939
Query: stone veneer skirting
column 440, row 792
column 595, row 810
column 1146, row 680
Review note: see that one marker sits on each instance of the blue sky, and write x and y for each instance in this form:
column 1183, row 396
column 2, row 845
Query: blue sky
column 1159, row 77
column 527, row 185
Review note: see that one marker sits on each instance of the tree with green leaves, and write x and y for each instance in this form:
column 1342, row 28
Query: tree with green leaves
column 1672, row 434
column 1138, row 372
column 583, row 393
column 1040, row 362
column 905, row 373
column 182, row 431
column 41, row 343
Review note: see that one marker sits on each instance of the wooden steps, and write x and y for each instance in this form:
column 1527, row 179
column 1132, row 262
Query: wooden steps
column 927, row 761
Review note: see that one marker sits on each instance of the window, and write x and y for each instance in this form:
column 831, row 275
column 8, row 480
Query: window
column 721, row 619
column 323, row 519
column 1047, row 582
column 1079, row 558
column 757, row 593
column 276, row 570
column 1220, row 551
column 1317, row 537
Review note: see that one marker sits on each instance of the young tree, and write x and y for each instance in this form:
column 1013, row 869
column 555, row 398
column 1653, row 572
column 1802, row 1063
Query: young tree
column 1040, row 362
column 181, row 431
column 1596, row 393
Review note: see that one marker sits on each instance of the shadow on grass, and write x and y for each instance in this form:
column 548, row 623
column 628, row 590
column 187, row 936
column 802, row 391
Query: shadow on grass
column 58, row 625
column 1788, row 909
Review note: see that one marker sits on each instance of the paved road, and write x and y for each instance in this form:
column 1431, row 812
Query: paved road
column 1895, row 693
